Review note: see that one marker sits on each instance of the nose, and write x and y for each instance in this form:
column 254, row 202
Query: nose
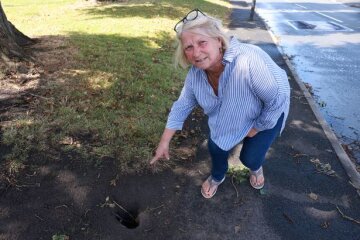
column 196, row 51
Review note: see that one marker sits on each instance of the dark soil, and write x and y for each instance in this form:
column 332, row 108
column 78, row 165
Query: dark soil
column 74, row 198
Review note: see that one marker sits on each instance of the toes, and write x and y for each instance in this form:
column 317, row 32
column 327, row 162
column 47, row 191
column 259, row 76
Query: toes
column 206, row 188
column 253, row 180
column 257, row 181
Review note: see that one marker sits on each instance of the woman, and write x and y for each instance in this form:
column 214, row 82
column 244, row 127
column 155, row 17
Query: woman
column 245, row 95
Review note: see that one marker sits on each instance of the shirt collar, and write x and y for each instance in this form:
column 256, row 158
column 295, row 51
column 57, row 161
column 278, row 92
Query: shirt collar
column 232, row 51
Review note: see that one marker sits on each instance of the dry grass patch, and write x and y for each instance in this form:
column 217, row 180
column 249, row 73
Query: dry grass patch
column 103, row 85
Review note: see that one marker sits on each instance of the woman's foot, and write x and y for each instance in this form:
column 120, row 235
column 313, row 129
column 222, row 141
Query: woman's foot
column 210, row 186
column 257, row 179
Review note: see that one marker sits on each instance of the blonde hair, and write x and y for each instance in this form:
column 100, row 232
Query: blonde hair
column 208, row 26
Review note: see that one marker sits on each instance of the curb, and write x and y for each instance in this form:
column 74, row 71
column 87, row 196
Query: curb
column 348, row 165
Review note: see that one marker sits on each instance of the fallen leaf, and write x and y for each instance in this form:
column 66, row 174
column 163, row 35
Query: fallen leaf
column 325, row 224
column 323, row 167
column 113, row 182
column 315, row 161
column 313, row 196
column 67, row 141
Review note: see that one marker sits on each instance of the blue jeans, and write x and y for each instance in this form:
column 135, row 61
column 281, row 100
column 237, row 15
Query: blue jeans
column 252, row 154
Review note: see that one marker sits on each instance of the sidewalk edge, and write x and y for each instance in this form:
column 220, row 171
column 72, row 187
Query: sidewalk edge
column 348, row 165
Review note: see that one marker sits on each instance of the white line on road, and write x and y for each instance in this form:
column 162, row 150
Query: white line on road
column 322, row 14
column 300, row 6
column 289, row 22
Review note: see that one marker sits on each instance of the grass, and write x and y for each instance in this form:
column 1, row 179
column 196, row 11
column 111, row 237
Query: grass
column 112, row 100
column 239, row 173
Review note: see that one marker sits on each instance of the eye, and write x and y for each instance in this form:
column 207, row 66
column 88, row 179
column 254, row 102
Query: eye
column 202, row 43
column 188, row 48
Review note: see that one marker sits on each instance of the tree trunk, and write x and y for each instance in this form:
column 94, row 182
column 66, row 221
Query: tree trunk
column 12, row 40
column 252, row 11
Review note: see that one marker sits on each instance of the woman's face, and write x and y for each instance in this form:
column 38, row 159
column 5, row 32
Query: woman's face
column 201, row 51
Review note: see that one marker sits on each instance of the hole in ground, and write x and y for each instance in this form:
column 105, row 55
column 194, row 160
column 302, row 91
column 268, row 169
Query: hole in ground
column 128, row 218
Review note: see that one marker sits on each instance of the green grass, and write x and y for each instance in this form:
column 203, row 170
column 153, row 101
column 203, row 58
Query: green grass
column 238, row 173
column 114, row 99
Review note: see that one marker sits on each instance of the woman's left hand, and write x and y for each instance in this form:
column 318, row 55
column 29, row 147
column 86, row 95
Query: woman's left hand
column 252, row 132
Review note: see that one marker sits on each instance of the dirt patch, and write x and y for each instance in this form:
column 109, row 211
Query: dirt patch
column 87, row 202
column 68, row 197
column 52, row 55
column 21, row 81
column 73, row 199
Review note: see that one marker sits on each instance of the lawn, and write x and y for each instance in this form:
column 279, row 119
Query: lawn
column 106, row 90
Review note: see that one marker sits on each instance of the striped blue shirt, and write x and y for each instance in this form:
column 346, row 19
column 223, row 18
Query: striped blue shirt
column 253, row 93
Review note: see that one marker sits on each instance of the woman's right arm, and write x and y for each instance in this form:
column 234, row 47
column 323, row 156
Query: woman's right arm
column 179, row 111
column 162, row 150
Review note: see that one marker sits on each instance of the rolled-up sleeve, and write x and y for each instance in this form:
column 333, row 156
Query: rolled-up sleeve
column 182, row 107
column 270, row 84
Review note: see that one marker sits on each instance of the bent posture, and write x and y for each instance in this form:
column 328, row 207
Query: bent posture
column 245, row 95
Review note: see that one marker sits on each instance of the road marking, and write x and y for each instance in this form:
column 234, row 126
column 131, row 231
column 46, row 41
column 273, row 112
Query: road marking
column 300, row 6
column 322, row 14
column 317, row 26
column 346, row 28
column 289, row 22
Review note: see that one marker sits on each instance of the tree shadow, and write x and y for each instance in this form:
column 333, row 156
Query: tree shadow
column 152, row 9
column 74, row 91
column 157, row 10
column 240, row 17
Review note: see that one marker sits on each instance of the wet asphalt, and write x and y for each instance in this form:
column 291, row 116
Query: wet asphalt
column 322, row 39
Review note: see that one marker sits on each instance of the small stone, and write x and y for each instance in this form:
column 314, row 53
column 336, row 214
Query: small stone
column 313, row 196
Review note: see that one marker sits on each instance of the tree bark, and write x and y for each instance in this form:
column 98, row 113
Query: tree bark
column 12, row 40
column 252, row 11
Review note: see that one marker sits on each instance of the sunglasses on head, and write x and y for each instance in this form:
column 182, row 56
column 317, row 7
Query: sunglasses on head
column 192, row 15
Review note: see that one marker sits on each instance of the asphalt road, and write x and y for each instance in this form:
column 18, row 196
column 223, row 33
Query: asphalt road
column 322, row 39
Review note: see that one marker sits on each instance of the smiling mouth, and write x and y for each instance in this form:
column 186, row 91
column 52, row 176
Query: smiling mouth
column 200, row 60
